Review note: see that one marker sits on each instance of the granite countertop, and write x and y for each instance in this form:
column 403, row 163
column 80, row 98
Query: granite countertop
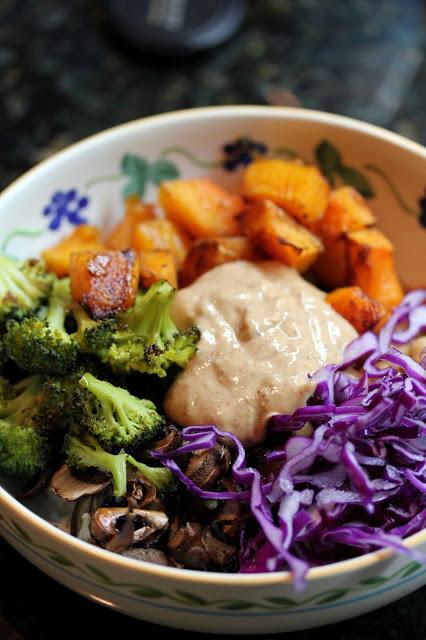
column 64, row 75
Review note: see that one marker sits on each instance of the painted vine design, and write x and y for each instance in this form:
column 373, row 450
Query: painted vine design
column 139, row 172
column 146, row 592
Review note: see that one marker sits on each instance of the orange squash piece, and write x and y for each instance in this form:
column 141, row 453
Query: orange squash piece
column 157, row 265
column 202, row 207
column 346, row 211
column 356, row 307
column 299, row 189
column 162, row 234
column 371, row 266
column 331, row 267
column 136, row 211
column 104, row 282
column 274, row 231
column 57, row 258
column 207, row 253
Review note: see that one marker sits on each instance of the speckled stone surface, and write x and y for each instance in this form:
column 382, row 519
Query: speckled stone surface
column 63, row 76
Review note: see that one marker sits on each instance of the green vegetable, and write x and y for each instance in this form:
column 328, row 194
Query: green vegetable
column 150, row 342
column 44, row 346
column 24, row 450
column 24, row 285
column 161, row 477
column 115, row 417
column 93, row 336
column 89, row 454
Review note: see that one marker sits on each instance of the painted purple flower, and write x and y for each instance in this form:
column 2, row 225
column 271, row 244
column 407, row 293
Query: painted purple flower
column 241, row 152
column 66, row 205
column 422, row 205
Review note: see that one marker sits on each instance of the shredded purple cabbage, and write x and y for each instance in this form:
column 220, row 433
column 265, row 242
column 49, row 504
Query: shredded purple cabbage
column 358, row 483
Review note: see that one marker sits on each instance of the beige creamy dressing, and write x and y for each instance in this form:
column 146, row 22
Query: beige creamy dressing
column 264, row 329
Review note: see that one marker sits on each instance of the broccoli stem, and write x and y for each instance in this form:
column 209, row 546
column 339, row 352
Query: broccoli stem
column 160, row 477
column 57, row 308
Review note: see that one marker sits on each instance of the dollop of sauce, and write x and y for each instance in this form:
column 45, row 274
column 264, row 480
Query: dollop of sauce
column 264, row 331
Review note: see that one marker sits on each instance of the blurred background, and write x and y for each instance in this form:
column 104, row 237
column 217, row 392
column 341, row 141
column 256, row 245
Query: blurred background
column 68, row 68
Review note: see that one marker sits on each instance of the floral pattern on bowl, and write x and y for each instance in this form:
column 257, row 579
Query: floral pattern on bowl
column 67, row 205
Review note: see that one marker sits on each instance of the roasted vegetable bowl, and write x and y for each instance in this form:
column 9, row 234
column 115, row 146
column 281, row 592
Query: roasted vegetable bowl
column 252, row 520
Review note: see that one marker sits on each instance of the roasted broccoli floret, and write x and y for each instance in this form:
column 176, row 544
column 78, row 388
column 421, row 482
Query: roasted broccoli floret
column 115, row 417
column 24, row 450
column 93, row 336
column 24, row 285
column 43, row 345
column 89, row 454
column 150, row 341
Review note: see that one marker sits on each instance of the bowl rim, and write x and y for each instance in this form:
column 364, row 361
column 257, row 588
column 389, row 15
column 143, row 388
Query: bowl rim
column 189, row 575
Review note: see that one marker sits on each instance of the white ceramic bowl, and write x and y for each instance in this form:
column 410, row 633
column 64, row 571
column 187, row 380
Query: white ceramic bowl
column 87, row 181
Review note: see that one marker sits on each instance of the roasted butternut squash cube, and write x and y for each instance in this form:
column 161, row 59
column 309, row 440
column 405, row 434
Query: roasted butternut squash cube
column 274, row 231
column 371, row 266
column 346, row 211
column 331, row 267
column 299, row 189
column 202, row 207
column 157, row 265
column 57, row 258
column 207, row 253
column 164, row 235
column 356, row 307
column 136, row 211
column 104, row 282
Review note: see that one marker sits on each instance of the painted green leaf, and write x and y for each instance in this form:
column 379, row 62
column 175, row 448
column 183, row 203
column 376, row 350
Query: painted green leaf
column 163, row 170
column 23, row 534
column 329, row 159
column 148, row 592
column 282, row 602
column 409, row 569
column 60, row 559
column 332, row 596
column 191, row 598
column 98, row 573
column 137, row 169
column 374, row 581
column 355, row 179
column 236, row 605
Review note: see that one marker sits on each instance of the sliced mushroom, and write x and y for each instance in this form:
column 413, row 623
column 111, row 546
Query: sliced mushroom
column 185, row 545
column 107, row 521
column 66, row 486
column 196, row 547
column 222, row 555
column 155, row 556
column 123, row 538
column 207, row 466
column 228, row 519
column 171, row 441
column 141, row 493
